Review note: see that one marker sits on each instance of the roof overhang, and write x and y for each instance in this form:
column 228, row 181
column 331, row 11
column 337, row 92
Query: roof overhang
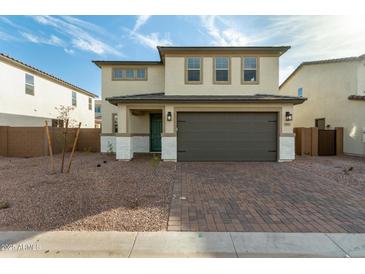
column 357, row 97
column 274, row 51
column 129, row 63
column 277, row 51
column 161, row 98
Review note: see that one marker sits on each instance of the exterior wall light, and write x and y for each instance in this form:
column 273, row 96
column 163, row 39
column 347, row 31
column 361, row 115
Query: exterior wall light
column 288, row 116
column 169, row 116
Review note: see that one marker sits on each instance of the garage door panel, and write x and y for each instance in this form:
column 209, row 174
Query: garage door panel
column 227, row 136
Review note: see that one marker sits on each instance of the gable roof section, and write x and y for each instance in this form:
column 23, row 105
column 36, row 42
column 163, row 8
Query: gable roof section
column 163, row 50
column 161, row 97
column 12, row 61
column 326, row 61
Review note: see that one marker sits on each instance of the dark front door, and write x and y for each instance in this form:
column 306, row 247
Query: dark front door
column 155, row 132
column 326, row 142
column 218, row 136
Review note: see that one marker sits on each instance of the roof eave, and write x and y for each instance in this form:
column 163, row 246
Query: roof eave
column 126, row 63
column 280, row 49
column 116, row 101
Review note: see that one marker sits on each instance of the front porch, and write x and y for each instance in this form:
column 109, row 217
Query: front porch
column 144, row 129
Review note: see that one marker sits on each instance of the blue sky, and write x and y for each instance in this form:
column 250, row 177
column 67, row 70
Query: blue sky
column 65, row 45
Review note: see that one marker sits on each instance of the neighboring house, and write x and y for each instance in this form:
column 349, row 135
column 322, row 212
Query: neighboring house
column 336, row 98
column 97, row 113
column 28, row 97
column 198, row 104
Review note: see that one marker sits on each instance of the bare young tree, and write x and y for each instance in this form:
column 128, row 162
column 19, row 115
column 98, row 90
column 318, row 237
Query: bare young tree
column 64, row 114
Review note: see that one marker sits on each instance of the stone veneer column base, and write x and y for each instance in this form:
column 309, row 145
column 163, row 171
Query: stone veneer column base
column 169, row 148
column 124, row 148
column 107, row 142
column 286, row 148
column 141, row 144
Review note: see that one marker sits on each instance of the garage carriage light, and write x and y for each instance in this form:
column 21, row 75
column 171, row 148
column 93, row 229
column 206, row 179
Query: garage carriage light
column 169, row 116
column 288, row 116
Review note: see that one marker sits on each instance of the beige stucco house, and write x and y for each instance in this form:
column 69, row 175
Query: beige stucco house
column 336, row 98
column 198, row 104
column 29, row 96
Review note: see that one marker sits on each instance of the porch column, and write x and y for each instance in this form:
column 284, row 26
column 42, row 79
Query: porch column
column 169, row 137
column 286, row 136
column 123, row 139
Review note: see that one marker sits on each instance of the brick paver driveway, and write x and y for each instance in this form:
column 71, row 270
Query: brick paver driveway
column 312, row 194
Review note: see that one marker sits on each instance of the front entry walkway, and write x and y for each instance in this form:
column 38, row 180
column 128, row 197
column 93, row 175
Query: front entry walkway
column 313, row 194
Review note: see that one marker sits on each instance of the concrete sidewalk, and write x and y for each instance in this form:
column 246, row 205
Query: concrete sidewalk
column 179, row 244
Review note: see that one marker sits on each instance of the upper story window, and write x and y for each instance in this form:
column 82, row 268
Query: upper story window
column 97, row 109
column 74, row 99
column 221, row 70
column 90, row 103
column 193, row 73
column 119, row 74
column 29, row 84
column 250, row 70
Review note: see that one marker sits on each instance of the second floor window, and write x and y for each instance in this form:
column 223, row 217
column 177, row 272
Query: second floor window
column 221, row 69
column 90, row 104
column 193, row 70
column 74, row 99
column 250, row 70
column 29, row 84
column 129, row 74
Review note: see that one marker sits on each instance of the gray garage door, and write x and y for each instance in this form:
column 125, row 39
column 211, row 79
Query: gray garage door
column 217, row 136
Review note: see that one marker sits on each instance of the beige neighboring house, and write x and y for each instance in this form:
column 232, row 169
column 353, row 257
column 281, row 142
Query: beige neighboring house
column 198, row 104
column 336, row 98
column 28, row 97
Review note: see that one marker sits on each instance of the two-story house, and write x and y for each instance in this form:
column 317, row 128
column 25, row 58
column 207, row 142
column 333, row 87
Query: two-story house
column 198, row 104
column 335, row 90
column 29, row 97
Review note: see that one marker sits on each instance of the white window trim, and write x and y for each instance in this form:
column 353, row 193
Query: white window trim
column 30, row 85
column 72, row 98
column 90, row 103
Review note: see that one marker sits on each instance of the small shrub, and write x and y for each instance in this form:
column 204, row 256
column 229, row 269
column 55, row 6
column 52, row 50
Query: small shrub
column 4, row 205
column 110, row 148
column 155, row 161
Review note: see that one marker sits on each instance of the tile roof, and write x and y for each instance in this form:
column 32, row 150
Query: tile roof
column 161, row 97
column 16, row 62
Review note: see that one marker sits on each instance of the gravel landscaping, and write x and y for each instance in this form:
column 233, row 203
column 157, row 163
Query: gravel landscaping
column 117, row 195
column 310, row 194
